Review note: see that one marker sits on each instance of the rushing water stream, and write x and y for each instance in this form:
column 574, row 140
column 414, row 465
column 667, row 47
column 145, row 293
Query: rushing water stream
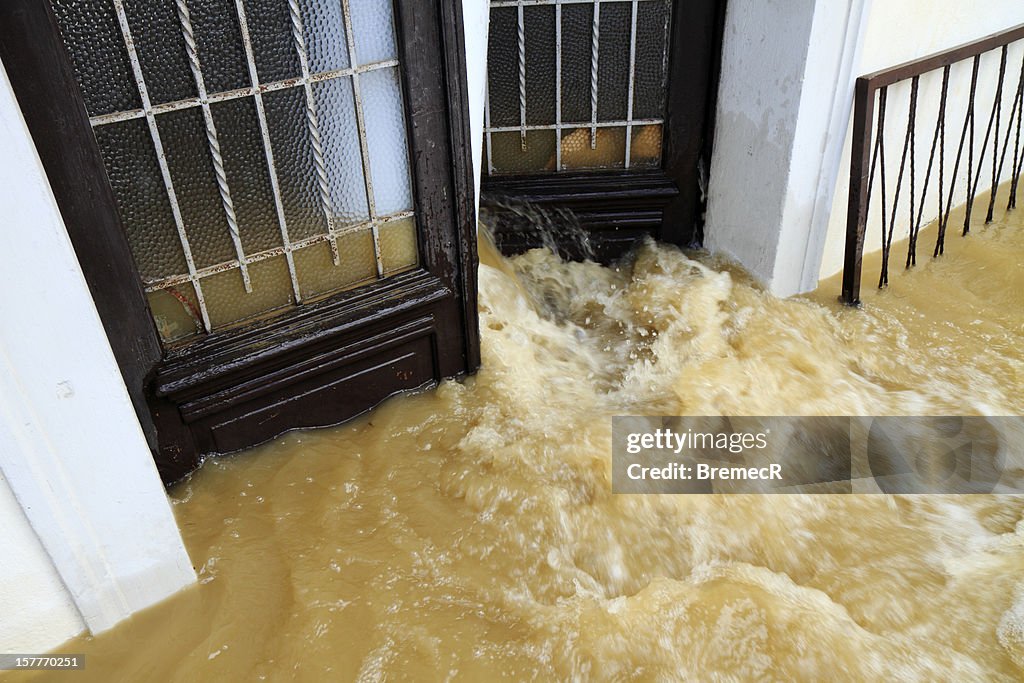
column 470, row 533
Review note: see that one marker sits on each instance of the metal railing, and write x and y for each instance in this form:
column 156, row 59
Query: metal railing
column 867, row 161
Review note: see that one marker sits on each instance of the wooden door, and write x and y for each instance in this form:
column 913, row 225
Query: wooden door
column 271, row 201
column 602, row 111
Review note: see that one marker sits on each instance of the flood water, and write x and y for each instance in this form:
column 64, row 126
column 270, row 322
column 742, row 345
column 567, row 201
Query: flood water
column 470, row 533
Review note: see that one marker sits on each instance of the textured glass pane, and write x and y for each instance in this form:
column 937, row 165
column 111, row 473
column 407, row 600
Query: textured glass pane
column 398, row 246
column 651, row 60
column 100, row 60
column 613, row 61
column 503, row 67
column 645, row 149
column 509, row 157
column 246, row 167
column 270, row 29
column 227, row 301
column 609, row 153
column 141, row 199
column 540, row 64
column 215, row 23
column 324, row 24
column 293, row 156
column 337, row 113
column 386, row 140
column 577, row 35
column 316, row 270
column 373, row 30
column 176, row 312
column 161, row 48
column 183, row 134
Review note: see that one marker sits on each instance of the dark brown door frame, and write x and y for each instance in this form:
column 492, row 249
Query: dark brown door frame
column 616, row 208
column 319, row 364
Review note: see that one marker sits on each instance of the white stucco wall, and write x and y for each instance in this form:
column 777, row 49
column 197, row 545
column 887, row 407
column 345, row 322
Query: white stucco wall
column 785, row 85
column 901, row 31
column 90, row 508
column 475, row 14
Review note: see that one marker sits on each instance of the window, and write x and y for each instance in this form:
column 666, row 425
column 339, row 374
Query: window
column 257, row 150
column 600, row 109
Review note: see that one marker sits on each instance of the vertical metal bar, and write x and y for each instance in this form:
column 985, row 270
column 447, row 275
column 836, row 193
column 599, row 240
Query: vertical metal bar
column 970, row 149
column 165, row 171
column 1006, row 142
column 856, row 215
column 188, row 33
column 313, row 123
column 632, row 83
column 1015, row 169
column 912, row 136
column 558, row 85
column 942, row 159
column 998, row 105
column 361, row 127
column 594, row 47
column 521, row 37
column 940, row 119
column 261, row 115
column 487, row 128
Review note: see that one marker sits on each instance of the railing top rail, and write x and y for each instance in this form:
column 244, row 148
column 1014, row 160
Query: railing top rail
column 938, row 60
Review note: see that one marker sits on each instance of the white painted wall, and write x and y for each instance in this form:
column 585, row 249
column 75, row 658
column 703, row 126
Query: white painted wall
column 786, row 83
column 37, row 610
column 475, row 14
column 901, row 31
column 71, row 449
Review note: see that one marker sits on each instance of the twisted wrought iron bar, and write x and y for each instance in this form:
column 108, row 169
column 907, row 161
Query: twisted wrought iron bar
column 187, row 31
column 997, row 101
column 998, row 172
column 313, row 125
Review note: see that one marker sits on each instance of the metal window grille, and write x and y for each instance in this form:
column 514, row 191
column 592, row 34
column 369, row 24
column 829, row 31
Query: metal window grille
column 257, row 148
column 576, row 84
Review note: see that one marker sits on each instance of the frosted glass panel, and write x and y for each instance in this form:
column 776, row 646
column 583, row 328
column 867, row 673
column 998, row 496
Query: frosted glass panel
column 594, row 78
column 176, row 312
column 324, row 24
column 610, row 151
column 228, row 302
column 317, row 273
column 188, row 158
column 161, row 49
column 220, row 44
column 134, row 174
column 398, row 248
column 259, row 200
column 539, row 23
column 509, row 156
column 337, row 111
column 374, row 30
column 246, row 168
column 98, row 55
column 503, row 69
column 386, row 140
column 270, row 29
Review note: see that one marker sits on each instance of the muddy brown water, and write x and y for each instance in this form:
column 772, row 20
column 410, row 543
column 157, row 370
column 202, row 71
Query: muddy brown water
column 469, row 533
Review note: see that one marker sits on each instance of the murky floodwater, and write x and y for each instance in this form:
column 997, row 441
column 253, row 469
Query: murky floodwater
column 470, row 533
